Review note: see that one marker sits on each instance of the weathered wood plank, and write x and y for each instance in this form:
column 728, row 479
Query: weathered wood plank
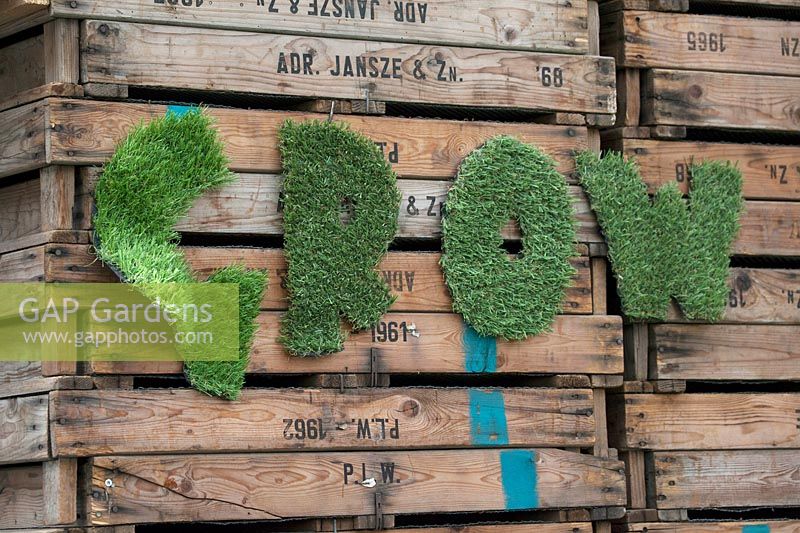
column 62, row 51
column 114, row 422
column 21, row 497
column 724, row 352
column 86, row 133
column 21, row 214
column 710, row 43
column 771, row 526
column 60, row 485
column 769, row 172
column 713, row 99
column 769, row 296
column 273, row 486
column 23, row 265
column 769, row 228
column 587, row 344
column 22, row 139
column 41, row 92
column 57, row 197
column 22, row 378
column 414, row 277
column 709, row 421
column 742, row 478
column 337, row 68
column 21, row 66
column 44, row 237
column 559, row 27
column 566, row 527
column 253, row 205
column 23, row 429
column 18, row 15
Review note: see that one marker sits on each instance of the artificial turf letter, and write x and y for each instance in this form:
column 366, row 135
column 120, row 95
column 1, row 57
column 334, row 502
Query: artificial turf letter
column 151, row 181
column 666, row 247
column 340, row 214
column 497, row 295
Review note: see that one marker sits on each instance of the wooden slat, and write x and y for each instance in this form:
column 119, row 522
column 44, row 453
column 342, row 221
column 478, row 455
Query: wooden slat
column 57, row 190
column 21, row 214
column 252, row 205
column 86, row 133
column 559, row 27
column 414, row 277
column 60, row 485
column 712, row 99
column 23, row 429
column 715, row 43
column 589, row 344
column 21, row 66
column 23, row 265
column 566, row 527
column 22, row 139
column 18, row 15
column 710, row 421
column 272, row 486
column 40, row 92
column 771, row 526
column 21, row 378
column 21, row 497
column 769, row 296
column 725, row 352
column 62, row 51
column 743, row 478
column 769, row 228
column 44, row 237
column 443, row 75
column 92, row 423
column 769, row 172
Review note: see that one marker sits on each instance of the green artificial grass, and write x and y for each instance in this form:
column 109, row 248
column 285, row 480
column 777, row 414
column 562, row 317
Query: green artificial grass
column 668, row 246
column 226, row 378
column 151, row 181
column 331, row 265
column 499, row 296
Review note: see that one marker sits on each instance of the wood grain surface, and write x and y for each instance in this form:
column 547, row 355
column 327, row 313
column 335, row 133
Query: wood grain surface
column 590, row 344
column 274, row 486
column 23, row 429
column 223, row 60
column 414, row 277
column 117, row 422
column 769, row 172
column 648, row 39
column 710, row 421
column 743, row 478
column 22, row 139
column 541, row 25
column 773, row 526
column 758, row 295
column 713, row 99
column 725, row 352
column 86, row 132
column 22, row 498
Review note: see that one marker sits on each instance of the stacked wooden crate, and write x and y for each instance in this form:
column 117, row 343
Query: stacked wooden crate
column 415, row 418
column 708, row 420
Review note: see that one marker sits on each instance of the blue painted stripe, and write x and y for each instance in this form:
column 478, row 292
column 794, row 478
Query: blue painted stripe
column 180, row 110
column 518, row 472
column 756, row 528
column 487, row 416
column 480, row 353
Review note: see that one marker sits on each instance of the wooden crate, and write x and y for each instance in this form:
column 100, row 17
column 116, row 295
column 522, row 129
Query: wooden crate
column 696, row 451
column 678, row 70
column 547, row 66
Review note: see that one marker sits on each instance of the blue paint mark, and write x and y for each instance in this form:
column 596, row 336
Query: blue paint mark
column 480, row 353
column 758, row 528
column 487, row 416
column 180, row 110
column 518, row 471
